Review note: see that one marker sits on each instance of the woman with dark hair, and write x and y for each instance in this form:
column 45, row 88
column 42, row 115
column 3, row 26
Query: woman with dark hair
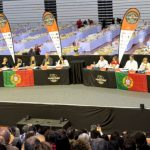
column 50, row 137
column 62, row 141
column 129, row 143
column 140, row 140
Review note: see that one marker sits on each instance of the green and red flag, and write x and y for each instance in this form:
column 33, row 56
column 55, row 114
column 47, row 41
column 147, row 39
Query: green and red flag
column 132, row 82
column 18, row 78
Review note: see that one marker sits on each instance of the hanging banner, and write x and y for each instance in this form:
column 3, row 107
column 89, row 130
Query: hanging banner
column 6, row 32
column 129, row 24
column 52, row 28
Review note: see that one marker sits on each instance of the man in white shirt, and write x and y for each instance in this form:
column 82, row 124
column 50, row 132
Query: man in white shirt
column 131, row 64
column 102, row 63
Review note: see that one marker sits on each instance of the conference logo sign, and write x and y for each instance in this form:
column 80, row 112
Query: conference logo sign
column 49, row 19
column 3, row 21
column 54, row 78
column 15, row 79
column 128, row 82
column 132, row 17
column 100, row 79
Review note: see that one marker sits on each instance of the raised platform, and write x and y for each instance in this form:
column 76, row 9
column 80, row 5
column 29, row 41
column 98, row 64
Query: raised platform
column 113, row 109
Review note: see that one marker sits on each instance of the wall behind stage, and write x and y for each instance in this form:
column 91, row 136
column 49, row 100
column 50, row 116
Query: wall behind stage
column 120, row 7
column 70, row 11
column 23, row 11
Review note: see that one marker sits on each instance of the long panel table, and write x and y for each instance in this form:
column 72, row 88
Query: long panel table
column 52, row 77
column 121, row 80
column 22, row 78
column 98, row 78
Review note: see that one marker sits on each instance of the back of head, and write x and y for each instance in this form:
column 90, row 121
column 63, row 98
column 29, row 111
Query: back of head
column 70, row 133
column 50, row 136
column 116, row 140
column 140, row 139
column 62, row 141
column 129, row 143
column 31, row 143
column 98, row 144
column 84, row 137
column 43, row 146
column 95, row 134
column 80, row 145
column 4, row 132
column 29, row 134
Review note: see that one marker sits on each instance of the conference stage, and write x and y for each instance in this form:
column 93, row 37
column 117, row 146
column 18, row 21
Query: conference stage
column 113, row 109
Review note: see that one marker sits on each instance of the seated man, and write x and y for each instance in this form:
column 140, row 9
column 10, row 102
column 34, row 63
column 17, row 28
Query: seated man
column 102, row 63
column 48, row 61
column 145, row 65
column 62, row 62
column 19, row 63
column 131, row 64
column 5, row 63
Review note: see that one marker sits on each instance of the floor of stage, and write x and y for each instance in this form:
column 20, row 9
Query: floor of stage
column 78, row 95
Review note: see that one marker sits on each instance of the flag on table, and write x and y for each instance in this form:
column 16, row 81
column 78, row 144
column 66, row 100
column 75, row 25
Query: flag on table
column 129, row 24
column 132, row 82
column 6, row 32
column 18, row 78
column 52, row 28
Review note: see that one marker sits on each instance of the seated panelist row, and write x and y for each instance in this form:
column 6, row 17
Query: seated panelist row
column 130, row 65
column 48, row 61
column 103, row 63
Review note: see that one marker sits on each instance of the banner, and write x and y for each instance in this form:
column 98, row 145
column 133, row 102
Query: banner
column 18, row 78
column 129, row 24
column 52, row 28
column 6, row 32
column 132, row 82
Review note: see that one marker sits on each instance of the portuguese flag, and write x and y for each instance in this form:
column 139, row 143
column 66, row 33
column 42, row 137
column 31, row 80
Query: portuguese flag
column 132, row 82
column 18, row 78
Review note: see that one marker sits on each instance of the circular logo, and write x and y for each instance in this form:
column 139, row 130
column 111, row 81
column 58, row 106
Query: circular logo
column 49, row 19
column 53, row 78
column 128, row 82
column 3, row 21
column 100, row 79
column 15, row 79
column 132, row 17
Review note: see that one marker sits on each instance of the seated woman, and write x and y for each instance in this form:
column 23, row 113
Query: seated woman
column 145, row 65
column 5, row 63
column 114, row 63
column 62, row 62
column 33, row 62
column 19, row 63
